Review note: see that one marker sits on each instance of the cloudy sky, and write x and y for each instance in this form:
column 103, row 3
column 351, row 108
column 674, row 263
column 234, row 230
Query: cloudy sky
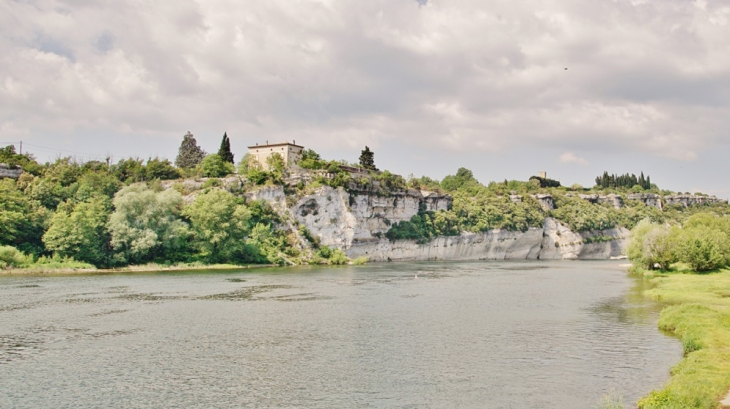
column 504, row 88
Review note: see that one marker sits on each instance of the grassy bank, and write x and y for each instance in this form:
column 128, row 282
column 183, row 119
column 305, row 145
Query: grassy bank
column 699, row 315
column 82, row 268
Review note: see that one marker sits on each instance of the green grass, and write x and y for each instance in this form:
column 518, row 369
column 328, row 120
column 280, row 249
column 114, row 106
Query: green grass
column 699, row 315
column 611, row 400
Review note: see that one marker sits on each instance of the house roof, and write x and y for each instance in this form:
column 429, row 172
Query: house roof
column 275, row 144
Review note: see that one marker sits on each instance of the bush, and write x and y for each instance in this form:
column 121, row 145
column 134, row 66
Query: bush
column 10, row 257
column 214, row 166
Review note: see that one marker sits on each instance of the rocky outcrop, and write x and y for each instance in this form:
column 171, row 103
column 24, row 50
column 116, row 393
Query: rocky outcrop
column 9, row 172
column 612, row 199
column 546, row 201
column 340, row 219
column 691, row 200
column 357, row 223
column 552, row 241
column 649, row 199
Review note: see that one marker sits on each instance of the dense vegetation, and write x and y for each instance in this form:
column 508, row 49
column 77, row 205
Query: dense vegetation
column 623, row 181
column 702, row 242
column 114, row 214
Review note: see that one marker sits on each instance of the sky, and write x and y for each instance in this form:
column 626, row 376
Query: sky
column 504, row 88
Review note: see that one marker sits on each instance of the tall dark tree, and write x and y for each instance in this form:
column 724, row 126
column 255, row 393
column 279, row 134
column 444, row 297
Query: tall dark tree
column 367, row 159
column 190, row 154
column 225, row 150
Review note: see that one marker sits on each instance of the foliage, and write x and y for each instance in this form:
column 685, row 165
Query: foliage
column 146, row 225
column 704, row 248
column 425, row 226
column 480, row 209
column 160, row 169
column 190, row 154
column 700, row 317
column 10, row 257
column 326, row 255
column 220, row 223
column 80, row 231
column 26, row 161
column 652, row 244
column 703, row 243
column 545, row 182
column 464, row 178
column 213, row 166
column 225, row 150
column 581, row 215
column 22, row 220
column 623, row 181
column 424, row 183
column 311, row 160
column 367, row 159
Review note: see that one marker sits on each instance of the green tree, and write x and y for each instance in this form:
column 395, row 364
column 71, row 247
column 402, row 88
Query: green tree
column 651, row 244
column 160, row 169
column 225, row 150
column 26, row 161
column 703, row 248
column 190, row 154
column 80, row 231
column 367, row 159
column 130, row 170
column 220, row 222
column 21, row 219
column 463, row 178
column 146, row 225
column 215, row 167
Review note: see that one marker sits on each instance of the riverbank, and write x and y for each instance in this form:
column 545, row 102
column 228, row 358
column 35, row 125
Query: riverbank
column 146, row 268
column 698, row 313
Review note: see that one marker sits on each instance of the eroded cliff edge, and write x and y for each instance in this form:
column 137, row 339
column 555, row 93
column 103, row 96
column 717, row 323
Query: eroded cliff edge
column 357, row 223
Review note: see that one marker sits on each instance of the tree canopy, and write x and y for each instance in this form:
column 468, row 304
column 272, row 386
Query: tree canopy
column 225, row 150
column 367, row 159
column 190, row 154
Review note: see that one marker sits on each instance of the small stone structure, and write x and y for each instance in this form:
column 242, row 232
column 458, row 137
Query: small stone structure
column 8, row 172
column 290, row 152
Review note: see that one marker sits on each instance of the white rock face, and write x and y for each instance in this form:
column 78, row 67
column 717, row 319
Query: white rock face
column 535, row 243
column 649, row 199
column 357, row 224
column 691, row 200
column 340, row 219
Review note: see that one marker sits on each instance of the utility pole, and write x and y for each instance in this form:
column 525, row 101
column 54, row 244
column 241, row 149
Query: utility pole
column 21, row 147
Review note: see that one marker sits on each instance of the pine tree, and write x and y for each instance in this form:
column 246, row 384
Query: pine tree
column 225, row 150
column 367, row 159
column 190, row 154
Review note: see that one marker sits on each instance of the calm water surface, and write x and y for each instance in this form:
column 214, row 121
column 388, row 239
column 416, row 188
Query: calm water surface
column 415, row 335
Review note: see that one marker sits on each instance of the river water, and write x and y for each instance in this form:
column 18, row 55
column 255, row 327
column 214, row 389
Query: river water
column 405, row 335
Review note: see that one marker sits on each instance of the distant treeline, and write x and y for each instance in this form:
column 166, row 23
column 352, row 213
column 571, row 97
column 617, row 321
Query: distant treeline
column 626, row 181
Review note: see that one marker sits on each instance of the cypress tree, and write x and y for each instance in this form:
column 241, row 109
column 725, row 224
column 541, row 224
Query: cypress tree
column 225, row 150
column 190, row 154
column 367, row 159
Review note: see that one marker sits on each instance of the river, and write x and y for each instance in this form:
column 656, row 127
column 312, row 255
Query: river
column 393, row 335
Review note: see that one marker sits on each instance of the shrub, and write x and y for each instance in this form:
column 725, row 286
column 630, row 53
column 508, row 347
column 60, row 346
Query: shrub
column 13, row 258
column 215, row 167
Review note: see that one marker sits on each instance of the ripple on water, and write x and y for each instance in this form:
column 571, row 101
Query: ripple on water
column 14, row 347
column 245, row 293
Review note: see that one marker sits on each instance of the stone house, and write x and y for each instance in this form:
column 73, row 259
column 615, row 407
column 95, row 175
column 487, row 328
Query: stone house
column 290, row 152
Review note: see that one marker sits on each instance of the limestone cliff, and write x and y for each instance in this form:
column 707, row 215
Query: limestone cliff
column 551, row 242
column 357, row 223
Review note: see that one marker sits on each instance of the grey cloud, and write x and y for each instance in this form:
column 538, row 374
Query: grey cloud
column 458, row 76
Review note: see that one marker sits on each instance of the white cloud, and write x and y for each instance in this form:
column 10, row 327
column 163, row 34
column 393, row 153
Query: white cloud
column 572, row 158
column 461, row 75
